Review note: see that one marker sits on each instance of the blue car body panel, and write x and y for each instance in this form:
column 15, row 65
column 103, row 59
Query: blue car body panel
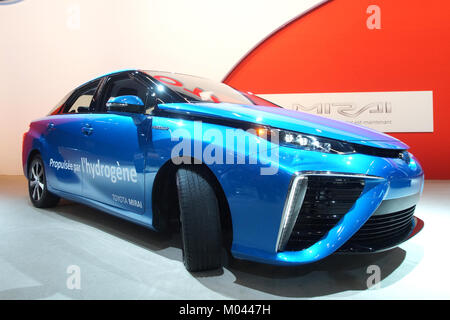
column 290, row 120
column 115, row 157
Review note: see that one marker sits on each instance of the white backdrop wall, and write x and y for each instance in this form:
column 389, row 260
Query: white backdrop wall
column 50, row 46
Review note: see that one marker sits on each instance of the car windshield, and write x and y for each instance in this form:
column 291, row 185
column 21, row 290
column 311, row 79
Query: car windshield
column 196, row 89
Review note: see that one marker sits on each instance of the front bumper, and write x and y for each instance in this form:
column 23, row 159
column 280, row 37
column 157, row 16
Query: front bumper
column 391, row 187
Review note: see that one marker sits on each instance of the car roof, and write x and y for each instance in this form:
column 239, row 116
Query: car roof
column 112, row 73
column 146, row 71
column 105, row 75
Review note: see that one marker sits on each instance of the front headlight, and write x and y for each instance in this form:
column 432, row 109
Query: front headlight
column 306, row 142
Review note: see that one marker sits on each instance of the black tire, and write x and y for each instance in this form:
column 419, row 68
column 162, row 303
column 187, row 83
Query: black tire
column 37, row 185
column 200, row 221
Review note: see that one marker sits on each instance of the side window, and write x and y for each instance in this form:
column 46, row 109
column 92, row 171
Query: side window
column 80, row 102
column 124, row 86
column 56, row 109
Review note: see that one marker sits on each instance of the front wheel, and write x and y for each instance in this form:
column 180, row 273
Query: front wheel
column 200, row 221
column 37, row 185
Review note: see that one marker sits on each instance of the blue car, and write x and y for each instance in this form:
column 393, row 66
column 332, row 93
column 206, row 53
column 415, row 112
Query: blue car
column 230, row 170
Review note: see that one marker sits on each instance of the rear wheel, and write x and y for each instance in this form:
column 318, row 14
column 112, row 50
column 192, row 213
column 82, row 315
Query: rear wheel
column 37, row 185
column 200, row 221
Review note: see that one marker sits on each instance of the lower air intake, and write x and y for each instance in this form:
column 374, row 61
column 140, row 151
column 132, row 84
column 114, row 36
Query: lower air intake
column 327, row 200
column 381, row 232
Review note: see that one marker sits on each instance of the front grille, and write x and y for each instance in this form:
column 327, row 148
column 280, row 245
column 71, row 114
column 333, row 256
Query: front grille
column 378, row 152
column 381, row 232
column 326, row 201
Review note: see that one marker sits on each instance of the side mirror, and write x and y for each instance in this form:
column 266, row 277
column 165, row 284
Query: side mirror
column 132, row 104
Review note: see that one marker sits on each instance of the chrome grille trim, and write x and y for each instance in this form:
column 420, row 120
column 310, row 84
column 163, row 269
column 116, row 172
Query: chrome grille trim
column 294, row 200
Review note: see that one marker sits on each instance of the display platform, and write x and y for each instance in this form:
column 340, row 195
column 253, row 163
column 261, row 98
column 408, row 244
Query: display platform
column 114, row 259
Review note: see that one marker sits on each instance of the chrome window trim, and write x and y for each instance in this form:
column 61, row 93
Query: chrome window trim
column 302, row 177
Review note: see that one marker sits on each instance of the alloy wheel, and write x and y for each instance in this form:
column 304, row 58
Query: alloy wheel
column 37, row 182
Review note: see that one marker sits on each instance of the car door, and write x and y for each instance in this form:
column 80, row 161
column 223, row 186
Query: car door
column 114, row 149
column 64, row 138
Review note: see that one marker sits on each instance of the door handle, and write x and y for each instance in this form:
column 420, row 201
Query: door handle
column 50, row 126
column 87, row 130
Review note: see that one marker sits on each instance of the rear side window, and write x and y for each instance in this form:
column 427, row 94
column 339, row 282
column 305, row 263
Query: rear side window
column 80, row 101
column 60, row 104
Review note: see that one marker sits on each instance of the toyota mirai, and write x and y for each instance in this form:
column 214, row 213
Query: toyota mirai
column 230, row 170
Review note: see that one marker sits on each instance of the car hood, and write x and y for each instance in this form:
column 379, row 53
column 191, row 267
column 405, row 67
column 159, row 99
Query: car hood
column 289, row 120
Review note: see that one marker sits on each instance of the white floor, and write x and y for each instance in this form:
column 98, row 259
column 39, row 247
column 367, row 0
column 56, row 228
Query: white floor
column 119, row 260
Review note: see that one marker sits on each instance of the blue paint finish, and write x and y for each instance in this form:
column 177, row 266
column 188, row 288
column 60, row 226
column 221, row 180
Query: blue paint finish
column 133, row 100
column 119, row 154
column 290, row 120
column 372, row 196
column 115, row 154
column 61, row 141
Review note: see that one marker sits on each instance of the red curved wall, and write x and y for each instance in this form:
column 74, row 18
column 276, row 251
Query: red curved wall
column 331, row 49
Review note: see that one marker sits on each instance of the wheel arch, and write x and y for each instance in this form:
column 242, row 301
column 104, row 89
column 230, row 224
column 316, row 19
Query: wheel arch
column 31, row 155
